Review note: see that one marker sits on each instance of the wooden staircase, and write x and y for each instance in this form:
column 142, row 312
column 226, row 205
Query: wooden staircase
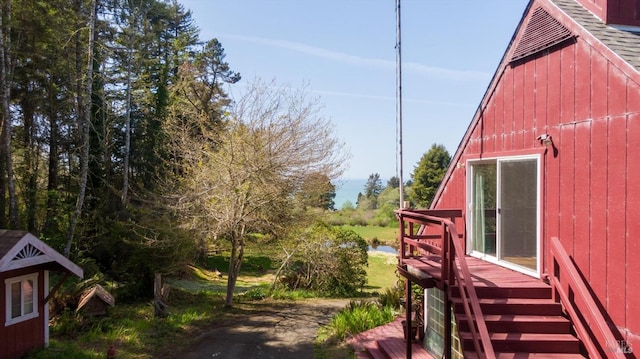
column 499, row 313
column 523, row 322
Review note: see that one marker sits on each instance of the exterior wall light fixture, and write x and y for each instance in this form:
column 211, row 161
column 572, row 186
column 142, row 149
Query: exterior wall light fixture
column 545, row 140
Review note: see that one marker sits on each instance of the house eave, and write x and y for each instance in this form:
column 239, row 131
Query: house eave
column 46, row 256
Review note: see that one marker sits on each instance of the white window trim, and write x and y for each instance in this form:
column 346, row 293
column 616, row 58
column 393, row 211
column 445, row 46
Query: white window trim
column 22, row 318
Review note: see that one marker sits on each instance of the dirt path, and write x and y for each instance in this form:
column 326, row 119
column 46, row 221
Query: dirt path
column 281, row 330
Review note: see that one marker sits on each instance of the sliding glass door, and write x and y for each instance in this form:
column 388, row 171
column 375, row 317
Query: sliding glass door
column 504, row 210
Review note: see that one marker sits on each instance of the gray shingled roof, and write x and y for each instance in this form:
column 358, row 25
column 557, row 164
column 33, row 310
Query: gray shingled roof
column 625, row 43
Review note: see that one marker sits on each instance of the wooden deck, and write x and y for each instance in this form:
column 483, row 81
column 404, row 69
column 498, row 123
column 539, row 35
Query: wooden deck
column 385, row 342
column 514, row 305
column 483, row 274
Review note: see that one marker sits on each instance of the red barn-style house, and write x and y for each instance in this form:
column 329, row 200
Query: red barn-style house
column 25, row 262
column 533, row 238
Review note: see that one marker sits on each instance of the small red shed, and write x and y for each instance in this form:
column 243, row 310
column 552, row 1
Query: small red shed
column 554, row 151
column 25, row 262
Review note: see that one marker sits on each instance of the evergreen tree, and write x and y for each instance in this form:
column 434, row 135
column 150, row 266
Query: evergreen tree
column 372, row 189
column 393, row 182
column 428, row 174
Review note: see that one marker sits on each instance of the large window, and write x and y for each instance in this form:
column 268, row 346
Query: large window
column 503, row 211
column 22, row 298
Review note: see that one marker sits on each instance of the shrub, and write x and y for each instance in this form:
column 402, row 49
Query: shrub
column 391, row 297
column 328, row 260
column 357, row 317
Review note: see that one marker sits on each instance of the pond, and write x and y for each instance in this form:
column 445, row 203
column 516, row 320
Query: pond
column 387, row 249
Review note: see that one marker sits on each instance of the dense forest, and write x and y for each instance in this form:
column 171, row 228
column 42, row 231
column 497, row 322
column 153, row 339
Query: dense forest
column 121, row 148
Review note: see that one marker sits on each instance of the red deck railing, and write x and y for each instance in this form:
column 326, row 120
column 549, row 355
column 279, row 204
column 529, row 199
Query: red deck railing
column 437, row 234
column 591, row 326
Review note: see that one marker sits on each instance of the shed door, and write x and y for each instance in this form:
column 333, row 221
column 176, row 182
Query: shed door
column 504, row 211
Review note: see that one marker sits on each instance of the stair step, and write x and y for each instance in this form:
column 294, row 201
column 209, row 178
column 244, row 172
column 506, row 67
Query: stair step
column 514, row 306
column 473, row 355
column 508, row 292
column 393, row 347
column 520, row 323
column 527, row 342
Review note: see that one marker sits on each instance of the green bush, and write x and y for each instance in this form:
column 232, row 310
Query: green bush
column 329, row 260
column 357, row 317
column 391, row 297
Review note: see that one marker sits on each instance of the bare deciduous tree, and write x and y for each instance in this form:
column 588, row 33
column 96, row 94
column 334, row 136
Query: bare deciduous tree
column 246, row 181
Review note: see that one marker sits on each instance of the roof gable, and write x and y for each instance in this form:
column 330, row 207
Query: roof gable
column 620, row 46
column 20, row 249
column 541, row 33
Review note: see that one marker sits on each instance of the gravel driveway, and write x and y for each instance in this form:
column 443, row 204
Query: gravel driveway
column 280, row 330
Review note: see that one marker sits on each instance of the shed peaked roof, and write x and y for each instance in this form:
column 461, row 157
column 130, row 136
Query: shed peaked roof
column 20, row 249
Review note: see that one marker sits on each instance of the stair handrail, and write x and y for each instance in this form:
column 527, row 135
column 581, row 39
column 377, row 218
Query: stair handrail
column 604, row 337
column 468, row 288
column 452, row 249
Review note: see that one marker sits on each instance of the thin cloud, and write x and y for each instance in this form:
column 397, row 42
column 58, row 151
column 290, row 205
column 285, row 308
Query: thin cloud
column 319, row 52
column 387, row 98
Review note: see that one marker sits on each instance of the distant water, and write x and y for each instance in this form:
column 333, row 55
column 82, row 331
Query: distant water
column 386, row 249
column 347, row 190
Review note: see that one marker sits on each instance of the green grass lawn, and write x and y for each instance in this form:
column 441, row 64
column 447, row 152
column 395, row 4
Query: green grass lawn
column 383, row 234
column 381, row 273
column 196, row 301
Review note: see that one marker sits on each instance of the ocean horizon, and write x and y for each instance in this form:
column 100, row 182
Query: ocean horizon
column 347, row 190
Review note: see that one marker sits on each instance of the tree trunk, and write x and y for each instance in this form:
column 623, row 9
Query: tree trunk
column 31, row 155
column 5, row 122
column 235, row 261
column 50, row 222
column 85, row 126
column 4, row 221
column 127, row 133
column 285, row 262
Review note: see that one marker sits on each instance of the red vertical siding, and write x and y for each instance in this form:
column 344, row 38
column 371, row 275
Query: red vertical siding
column 598, row 208
column 582, row 206
column 633, row 99
column 632, row 302
column 20, row 338
column 616, row 206
column 518, row 108
column 588, row 100
column 567, row 185
column 529, row 105
column 541, row 93
column 617, row 92
column 498, row 124
column 583, row 81
column 506, row 116
column 491, row 142
column 599, row 88
column 567, row 90
column 554, row 87
column 616, row 237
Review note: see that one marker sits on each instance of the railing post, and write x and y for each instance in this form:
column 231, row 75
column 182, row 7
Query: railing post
column 407, row 319
column 447, row 322
column 447, row 263
column 446, row 256
column 402, row 234
column 411, row 247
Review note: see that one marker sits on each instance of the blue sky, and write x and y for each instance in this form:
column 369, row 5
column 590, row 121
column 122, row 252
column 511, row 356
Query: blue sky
column 344, row 52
